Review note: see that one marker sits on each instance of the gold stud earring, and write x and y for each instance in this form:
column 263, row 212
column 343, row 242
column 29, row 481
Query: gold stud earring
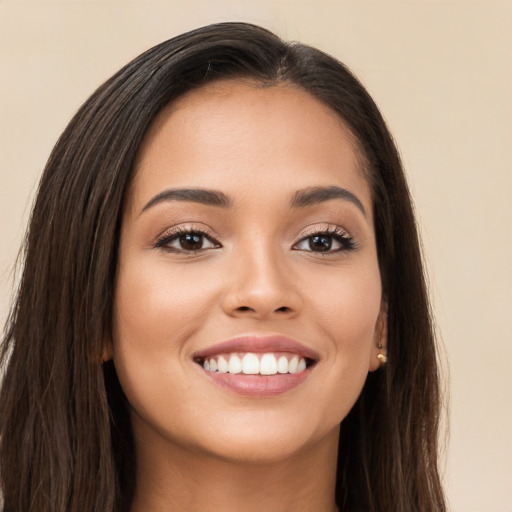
column 382, row 358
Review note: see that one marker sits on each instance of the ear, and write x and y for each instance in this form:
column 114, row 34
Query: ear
column 380, row 341
column 108, row 351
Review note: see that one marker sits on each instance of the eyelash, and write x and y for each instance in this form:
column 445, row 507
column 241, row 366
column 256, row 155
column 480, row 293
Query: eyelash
column 164, row 241
column 335, row 233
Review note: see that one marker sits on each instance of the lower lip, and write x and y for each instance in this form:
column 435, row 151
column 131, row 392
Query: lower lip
column 258, row 385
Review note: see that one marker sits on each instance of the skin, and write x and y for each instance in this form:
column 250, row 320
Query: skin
column 200, row 446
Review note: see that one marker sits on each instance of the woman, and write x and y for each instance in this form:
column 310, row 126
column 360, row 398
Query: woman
column 222, row 305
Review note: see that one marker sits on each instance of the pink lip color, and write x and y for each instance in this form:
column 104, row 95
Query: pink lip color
column 258, row 385
column 258, row 344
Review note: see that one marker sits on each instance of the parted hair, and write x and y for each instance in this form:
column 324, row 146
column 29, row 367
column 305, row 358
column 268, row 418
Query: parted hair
column 65, row 437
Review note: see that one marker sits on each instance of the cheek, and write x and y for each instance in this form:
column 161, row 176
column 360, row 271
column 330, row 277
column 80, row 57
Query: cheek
column 347, row 304
column 157, row 304
column 157, row 309
column 347, row 310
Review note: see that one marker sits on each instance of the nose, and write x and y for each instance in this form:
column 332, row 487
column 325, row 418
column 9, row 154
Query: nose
column 262, row 286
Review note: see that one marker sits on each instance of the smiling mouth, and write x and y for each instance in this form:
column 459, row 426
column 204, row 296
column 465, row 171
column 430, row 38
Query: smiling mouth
column 257, row 366
column 250, row 363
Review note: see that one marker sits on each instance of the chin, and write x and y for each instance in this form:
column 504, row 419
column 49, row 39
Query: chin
column 266, row 447
column 261, row 437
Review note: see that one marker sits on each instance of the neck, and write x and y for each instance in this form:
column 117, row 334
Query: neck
column 175, row 478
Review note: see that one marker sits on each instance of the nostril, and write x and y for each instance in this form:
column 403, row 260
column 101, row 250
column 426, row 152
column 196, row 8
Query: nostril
column 282, row 309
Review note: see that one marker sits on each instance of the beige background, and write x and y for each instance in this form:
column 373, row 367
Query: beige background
column 441, row 73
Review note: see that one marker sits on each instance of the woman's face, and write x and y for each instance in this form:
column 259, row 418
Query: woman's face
column 247, row 249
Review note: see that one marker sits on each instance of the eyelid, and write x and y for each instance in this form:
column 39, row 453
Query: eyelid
column 339, row 233
column 333, row 230
column 177, row 231
column 323, row 228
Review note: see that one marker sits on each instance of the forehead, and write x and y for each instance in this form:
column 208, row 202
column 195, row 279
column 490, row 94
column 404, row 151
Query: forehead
column 234, row 135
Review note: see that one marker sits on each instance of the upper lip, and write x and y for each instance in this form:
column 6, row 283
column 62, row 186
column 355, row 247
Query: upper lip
column 259, row 344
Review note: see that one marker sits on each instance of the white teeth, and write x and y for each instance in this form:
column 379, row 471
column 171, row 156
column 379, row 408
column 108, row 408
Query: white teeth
column 282, row 365
column 292, row 365
column 222, row 365
column 268, row 365
column 250, row 364
column 235, row 364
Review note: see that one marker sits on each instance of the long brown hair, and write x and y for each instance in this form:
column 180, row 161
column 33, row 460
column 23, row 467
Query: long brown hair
column 66, row 443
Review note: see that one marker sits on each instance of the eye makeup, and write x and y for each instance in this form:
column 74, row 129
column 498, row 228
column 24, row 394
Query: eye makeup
column 328, row 240
column 183, row 239
column 193, row 239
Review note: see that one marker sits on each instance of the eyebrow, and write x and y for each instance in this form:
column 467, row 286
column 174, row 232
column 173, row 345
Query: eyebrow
column 193, row 195
column 301, row 198
column 316, row 195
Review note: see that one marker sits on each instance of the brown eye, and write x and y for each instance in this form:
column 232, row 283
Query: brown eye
column 189, row 241
column 329, row 241
column 320, row 243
